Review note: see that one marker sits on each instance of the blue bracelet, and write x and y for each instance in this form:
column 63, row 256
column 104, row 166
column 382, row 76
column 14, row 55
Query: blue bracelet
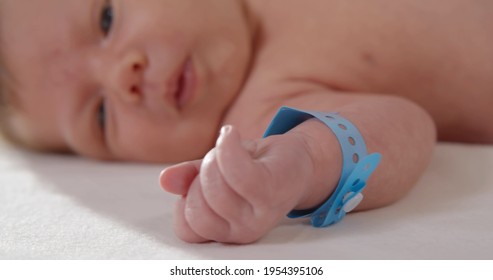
column 356, row 169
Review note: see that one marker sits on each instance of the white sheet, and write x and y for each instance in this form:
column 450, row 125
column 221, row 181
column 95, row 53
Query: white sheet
column 63, row 207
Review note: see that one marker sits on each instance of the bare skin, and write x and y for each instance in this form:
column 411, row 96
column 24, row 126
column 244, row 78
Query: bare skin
column 355, row 65
column 404, row 73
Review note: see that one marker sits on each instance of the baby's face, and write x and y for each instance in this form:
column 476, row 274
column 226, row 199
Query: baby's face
column 124, row 79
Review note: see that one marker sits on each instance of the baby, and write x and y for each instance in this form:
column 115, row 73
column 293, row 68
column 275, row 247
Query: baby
column 156, row 80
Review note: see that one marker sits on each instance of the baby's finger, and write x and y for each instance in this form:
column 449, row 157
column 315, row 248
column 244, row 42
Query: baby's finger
column 219, row 195
column 178, row 178
column 181, row 227
column 202, row 219
column 239, row 169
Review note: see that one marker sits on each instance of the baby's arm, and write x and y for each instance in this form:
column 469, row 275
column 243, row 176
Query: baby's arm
column 241, row 190
column 400, row 130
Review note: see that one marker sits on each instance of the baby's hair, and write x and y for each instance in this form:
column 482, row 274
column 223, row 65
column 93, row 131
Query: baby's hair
column 5, row 106
column 7, row 114
column 4, row 96
column 6, row 99
column 11, row 122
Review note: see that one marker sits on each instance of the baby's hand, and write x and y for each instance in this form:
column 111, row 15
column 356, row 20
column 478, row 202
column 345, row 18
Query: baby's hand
column 240, row 190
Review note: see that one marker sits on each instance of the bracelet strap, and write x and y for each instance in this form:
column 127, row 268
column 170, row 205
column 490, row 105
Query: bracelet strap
column 356, row 169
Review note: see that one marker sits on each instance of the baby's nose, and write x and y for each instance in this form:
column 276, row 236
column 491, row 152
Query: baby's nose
column 126, row 77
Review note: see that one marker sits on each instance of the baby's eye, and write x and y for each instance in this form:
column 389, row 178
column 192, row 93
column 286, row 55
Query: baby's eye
column 101, row 116
column 106, row 20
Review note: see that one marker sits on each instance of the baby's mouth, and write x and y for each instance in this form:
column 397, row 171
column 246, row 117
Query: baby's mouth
column 180, row 85
column 184, row 85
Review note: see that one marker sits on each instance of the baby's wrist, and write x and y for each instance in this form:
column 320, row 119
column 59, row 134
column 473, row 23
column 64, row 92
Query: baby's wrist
column 353, row 160
column 323, row 152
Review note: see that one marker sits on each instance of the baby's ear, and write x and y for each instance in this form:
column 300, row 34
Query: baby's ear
column 178, row 178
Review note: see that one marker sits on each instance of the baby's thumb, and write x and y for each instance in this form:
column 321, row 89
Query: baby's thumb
column 177, row 179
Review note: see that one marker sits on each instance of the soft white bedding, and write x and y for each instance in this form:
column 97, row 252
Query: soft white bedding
column 63, row 207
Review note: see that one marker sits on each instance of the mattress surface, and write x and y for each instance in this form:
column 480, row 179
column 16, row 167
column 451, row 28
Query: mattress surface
column 65, row 207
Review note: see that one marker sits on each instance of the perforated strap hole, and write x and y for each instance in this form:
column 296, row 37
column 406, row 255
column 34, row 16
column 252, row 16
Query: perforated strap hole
column 330, row 118
column 355, row 158
column 352, row 141
column 356, row 182
column 343, row 127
